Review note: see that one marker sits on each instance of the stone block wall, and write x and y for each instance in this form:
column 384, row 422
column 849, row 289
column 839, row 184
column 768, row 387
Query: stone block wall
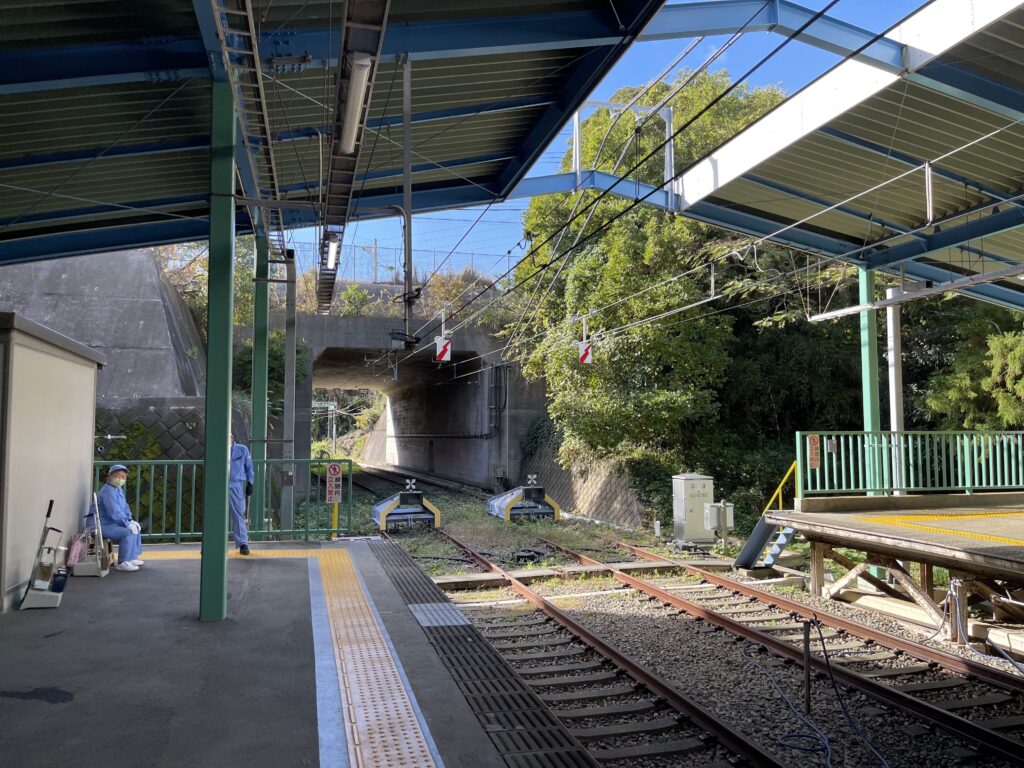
column 599, row 490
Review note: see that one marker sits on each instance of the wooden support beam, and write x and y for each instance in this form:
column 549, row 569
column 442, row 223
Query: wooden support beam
column 869, row 577
column 817, row 567
column 913, row 588
column 927, row 579
column 851, row 575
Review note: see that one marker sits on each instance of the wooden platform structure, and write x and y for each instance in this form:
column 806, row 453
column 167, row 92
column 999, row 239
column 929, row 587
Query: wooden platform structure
column 979, row 538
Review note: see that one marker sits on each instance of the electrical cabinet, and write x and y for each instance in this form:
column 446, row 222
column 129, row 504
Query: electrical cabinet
column 690, row 492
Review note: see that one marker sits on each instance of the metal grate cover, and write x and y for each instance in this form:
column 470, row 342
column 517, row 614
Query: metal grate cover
column 522, row 728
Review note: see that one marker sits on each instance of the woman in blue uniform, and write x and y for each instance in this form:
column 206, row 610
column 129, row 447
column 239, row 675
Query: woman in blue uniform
column 116, row 520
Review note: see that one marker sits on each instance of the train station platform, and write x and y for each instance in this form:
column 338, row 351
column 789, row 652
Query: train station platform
column 977, row 538
column 339, row 655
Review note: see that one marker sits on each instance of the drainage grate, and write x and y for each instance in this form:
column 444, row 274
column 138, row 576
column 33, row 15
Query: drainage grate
column 522, row 728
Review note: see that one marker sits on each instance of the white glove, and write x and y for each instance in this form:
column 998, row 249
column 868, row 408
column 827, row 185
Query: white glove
column 134, row 527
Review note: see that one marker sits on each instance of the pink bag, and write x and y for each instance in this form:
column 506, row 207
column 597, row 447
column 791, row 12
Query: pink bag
column 77, row 549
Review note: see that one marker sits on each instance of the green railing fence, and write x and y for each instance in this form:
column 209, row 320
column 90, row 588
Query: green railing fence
column 167, row 497
column 884, row 463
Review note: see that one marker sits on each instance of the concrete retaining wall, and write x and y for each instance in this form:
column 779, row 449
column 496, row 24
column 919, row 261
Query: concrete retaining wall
column 598, row 490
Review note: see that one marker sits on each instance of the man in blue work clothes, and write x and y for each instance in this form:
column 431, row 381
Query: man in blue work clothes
column 240, row 489
column 116, row 520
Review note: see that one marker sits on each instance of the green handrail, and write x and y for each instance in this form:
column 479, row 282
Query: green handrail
column 166, row 495
column 849, row 462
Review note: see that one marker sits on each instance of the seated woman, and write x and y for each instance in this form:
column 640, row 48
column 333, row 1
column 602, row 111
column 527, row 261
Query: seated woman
column 116, row 519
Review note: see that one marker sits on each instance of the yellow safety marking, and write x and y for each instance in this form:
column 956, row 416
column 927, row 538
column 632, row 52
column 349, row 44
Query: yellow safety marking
column 390, row 508
column 382, row 727
column 508, row 507
column 551, row 503
column 437, row 512
column 902, row 521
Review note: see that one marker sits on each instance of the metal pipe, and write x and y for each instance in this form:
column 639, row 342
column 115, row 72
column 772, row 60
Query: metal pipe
column 407, row 188
column 287, row 513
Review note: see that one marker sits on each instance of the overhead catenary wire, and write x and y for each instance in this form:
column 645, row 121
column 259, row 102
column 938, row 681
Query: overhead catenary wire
column 604, row 193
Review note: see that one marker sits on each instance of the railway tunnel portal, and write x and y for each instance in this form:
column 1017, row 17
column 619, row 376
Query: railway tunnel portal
column 459, row 420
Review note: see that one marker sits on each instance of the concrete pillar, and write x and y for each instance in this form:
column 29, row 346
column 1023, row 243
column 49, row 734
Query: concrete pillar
column 213, row 582
column 817, row 568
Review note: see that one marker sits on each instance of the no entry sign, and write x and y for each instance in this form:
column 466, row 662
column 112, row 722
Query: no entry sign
column 335, row 483
column 443, row 353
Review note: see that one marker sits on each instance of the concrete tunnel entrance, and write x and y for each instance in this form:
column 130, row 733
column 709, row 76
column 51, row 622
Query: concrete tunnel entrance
column 460, row 420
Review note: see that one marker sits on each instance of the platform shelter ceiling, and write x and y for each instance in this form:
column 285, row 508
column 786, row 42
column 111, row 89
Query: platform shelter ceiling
column 104, row 141
column 944, row 86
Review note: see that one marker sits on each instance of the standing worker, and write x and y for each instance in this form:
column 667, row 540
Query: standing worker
column 239, row 490
column 116, row 520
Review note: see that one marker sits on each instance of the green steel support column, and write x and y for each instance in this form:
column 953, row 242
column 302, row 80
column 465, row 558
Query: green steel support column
column 213, row 585
column 869, row 371
column 260, row 335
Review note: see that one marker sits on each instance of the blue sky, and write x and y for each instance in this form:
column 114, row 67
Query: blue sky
column 486, row 244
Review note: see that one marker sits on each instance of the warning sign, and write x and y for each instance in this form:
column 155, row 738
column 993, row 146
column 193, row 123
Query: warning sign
column 586, row 352
column 443, row 352
column 813, row 451
column 335, row 483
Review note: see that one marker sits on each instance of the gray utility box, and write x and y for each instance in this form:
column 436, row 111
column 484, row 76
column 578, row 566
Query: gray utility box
column 689, row 495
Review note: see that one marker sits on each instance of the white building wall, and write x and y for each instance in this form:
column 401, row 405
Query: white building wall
column 50, row 404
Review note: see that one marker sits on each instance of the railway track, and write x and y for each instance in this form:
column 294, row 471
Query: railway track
column 620, row 709
column 977, row 703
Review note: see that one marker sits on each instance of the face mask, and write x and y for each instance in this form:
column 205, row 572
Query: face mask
column 118, row 482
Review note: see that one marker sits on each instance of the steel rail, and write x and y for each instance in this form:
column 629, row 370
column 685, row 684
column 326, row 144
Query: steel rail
column 949, row 661
column 693, row 712
column 990, row 741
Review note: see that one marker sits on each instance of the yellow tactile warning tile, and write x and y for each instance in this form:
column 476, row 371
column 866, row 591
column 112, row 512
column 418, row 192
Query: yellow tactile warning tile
column 915, row 523
column 382, row 727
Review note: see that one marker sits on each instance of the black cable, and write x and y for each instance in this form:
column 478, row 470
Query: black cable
column 604, row 193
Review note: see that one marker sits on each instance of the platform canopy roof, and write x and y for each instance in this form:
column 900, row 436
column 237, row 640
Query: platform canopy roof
column 104, row 141
column 946, row 87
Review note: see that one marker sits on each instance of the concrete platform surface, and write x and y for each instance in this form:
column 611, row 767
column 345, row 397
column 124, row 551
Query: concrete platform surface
column 985, row 540
column 319, row 663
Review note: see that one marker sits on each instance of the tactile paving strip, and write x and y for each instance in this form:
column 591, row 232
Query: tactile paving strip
column 524, row 731
column 382, row 723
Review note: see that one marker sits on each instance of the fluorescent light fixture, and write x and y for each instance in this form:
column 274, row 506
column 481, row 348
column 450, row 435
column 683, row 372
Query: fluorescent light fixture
column 358, row 80
column 332, row 251
column 931, row 290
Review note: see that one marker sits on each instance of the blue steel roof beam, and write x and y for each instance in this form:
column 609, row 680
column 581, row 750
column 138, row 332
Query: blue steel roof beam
column 905, row 159
column 471, row 110
column 392, row 173
column 148, row 207
column 121, row 150
column 299, row 50
column 78, row 66
column 380, row 204
column 295, row 50
column 854, row 213
column 977, row 90
column 952, row 237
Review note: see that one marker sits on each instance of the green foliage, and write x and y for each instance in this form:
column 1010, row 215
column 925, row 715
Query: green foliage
column 352, row 301
column 186, row 267
column 275, row 368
